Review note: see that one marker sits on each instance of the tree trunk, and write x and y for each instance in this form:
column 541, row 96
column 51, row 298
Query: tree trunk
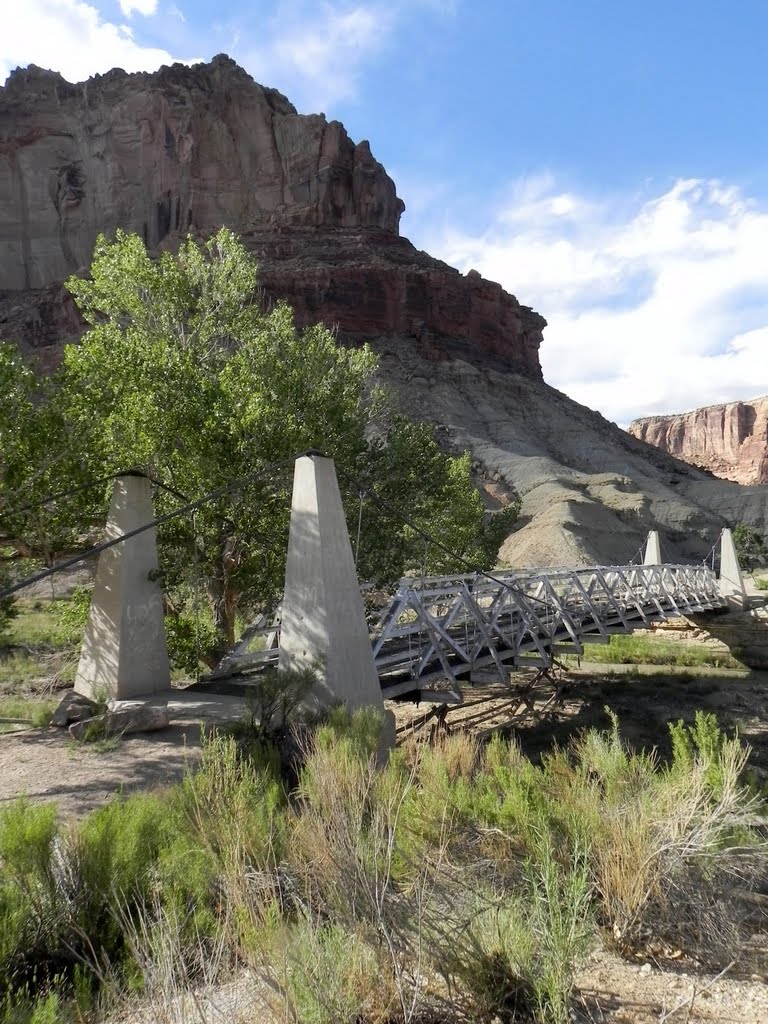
column 222, row 593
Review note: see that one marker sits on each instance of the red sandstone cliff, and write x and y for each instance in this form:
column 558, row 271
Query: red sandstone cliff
column 189, row 149
column 729, row 440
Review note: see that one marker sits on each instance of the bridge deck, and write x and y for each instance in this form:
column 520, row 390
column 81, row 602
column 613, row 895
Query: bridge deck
column 436, row 631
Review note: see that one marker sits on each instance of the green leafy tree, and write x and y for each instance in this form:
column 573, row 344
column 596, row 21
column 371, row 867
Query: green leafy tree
column 37, row 459
column 751, row 549
column 182, row 375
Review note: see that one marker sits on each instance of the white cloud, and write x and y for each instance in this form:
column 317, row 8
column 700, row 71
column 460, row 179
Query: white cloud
column 316, row 52
column 654, row 304
column 145, row 7
column 72, row 37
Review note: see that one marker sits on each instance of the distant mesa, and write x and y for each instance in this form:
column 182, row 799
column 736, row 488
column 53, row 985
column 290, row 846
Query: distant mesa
column 729, row 440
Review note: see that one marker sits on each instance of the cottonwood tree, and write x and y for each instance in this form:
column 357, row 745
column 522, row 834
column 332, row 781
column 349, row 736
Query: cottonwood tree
column 37, row 460
column 183, row 375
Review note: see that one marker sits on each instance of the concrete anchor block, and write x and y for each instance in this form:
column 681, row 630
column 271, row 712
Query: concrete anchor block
column 731, row 581
column 323, row 622
column 652, row 549
column 124, row 652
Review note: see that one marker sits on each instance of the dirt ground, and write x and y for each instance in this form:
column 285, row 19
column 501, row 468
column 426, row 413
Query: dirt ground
column 45, row 765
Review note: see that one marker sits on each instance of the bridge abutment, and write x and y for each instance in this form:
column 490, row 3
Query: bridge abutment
column 323, row 623
column 731, row 582
column 652, row 554
column 124, row 653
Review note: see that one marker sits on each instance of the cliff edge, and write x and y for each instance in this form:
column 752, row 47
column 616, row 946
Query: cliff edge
column 189, row 149
column 729, row 440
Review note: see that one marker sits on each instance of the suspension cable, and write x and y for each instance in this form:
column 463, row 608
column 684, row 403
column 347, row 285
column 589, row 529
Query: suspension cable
column 158, row 521
column 98, row 482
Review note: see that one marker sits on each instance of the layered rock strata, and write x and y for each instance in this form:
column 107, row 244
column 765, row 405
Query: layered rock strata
column 189, row 149
column 729, row 440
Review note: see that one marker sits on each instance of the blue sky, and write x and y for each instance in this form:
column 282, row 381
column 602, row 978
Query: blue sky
column 606, row 162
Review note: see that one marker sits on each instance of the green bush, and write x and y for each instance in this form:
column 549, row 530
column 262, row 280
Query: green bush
column 355, row 892
column 71, row 615
column 191, row 640
column 8, row 609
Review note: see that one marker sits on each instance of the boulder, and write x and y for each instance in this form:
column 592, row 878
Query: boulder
column 74, row 707
column 145, row 718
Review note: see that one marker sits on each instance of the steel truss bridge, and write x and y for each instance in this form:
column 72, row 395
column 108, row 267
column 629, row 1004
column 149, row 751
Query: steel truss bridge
column 437, row 631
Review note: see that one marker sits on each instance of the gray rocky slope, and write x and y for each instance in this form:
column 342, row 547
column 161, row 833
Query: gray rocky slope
column 589, row 491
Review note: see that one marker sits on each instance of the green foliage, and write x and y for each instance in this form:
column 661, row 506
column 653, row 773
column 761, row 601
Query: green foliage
column 328, row 974
column 8, row 608
column 560, row 905
column 232, row 804
column 274, row 699
column 353, row 892
column 409, row 476
column 641, row 650
column 40, row 454
column 751, row 548
column 704, row 742
column 25, row 711
column 187, row 634
column 181, row 374
column 71, row 614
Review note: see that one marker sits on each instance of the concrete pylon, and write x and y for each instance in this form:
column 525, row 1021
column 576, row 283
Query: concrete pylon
column 124, row 654
column 323, row 623
column 652, row 549
column 731, row 581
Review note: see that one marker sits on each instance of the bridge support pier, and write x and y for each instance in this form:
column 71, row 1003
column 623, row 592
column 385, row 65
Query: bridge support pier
column 652, row 549
column 323, row 622
column 731, row 581
column 124, row 654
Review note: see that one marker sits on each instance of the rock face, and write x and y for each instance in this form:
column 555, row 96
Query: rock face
column 189, row 149
column 730, row 440
column 589, row 492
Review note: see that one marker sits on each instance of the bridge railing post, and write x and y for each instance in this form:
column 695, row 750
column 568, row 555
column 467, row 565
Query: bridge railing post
column 323, row 621
column 731, row 581
column 124, row 653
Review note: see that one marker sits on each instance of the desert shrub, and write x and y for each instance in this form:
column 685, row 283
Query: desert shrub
column 511, row 943
column 559, row 901
column 324, row 973
column 115, row 851
column 30, row 903
column 375, row 886
column 273, row 702
column 661, row 847
column 705, row 743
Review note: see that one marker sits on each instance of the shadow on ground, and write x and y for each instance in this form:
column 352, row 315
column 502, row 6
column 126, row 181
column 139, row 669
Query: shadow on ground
column 645, row 704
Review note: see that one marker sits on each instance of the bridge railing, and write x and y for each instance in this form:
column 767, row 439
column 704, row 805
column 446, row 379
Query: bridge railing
column 443, row 627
